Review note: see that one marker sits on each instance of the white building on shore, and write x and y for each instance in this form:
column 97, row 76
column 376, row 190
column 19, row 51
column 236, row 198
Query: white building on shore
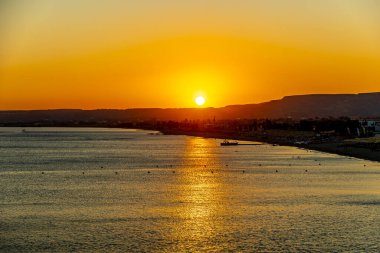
column 371, row 125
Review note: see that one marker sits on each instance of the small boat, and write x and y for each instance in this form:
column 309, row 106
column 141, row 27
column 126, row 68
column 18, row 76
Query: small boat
column 229, row 143
column 156, row 133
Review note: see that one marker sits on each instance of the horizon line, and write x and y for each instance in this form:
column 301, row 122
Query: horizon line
column 210, row 107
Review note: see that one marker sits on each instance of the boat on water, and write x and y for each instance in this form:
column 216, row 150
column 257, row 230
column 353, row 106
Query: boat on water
column 229, row 143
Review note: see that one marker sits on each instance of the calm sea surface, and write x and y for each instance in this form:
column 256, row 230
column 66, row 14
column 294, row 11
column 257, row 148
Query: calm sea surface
column 108, row 190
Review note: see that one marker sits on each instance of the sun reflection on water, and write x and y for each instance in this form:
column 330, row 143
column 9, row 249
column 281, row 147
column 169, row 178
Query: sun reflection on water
column 200, row 190
column 190, row 201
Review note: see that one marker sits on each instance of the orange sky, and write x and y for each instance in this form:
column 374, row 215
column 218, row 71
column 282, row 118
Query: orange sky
column 126, row 54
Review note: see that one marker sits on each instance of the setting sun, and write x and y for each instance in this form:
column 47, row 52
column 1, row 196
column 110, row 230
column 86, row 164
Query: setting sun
column 170, row 111
column 200, row 100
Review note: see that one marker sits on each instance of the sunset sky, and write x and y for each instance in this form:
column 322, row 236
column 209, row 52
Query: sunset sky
column 147, row 53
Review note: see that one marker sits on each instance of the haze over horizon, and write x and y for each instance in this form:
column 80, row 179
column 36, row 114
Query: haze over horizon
column 149, row 54
column 203, row 107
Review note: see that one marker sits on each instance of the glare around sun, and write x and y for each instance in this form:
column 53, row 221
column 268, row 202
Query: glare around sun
column 200, row 100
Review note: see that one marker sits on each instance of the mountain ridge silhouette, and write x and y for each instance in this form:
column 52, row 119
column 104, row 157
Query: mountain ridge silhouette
column 362, row 105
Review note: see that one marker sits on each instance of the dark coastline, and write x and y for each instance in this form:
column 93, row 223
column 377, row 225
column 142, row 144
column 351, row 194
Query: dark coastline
column 277, row 137
column 334, row 147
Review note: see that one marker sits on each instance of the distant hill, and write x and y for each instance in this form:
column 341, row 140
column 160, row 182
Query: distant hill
column 316, row 105
column 300, row 106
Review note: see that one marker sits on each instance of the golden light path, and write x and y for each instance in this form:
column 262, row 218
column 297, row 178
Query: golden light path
column 200, row 191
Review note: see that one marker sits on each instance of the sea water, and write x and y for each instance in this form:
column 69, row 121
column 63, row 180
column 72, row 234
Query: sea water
column 117, row 190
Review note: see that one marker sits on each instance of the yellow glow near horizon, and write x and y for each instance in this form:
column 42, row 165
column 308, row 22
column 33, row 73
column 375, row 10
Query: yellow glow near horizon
column 124, row 54
column 200, row 100
column 212, row 82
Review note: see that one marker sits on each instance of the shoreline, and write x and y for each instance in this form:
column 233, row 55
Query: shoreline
column 278, row 137
column 337, row 147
